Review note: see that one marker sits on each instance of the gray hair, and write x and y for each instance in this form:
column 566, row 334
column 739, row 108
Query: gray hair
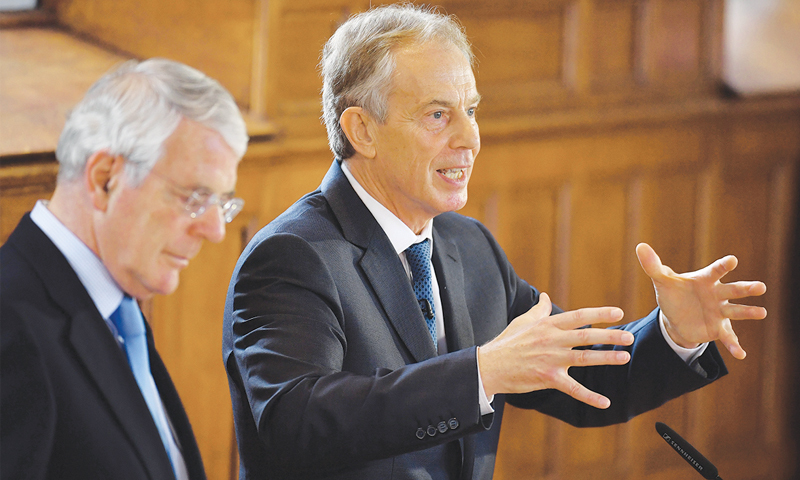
column 133, row 109
column 358, row 61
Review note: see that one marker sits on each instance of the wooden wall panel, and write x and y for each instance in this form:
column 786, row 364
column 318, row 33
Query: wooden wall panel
column 20, row 187
column 531, row 69
column 677, row 187
column 615, row 51
column 38, row 60
column 676, row 38
column 596, row 244
column 215, row 37
column 600, row 130
column 530, row 232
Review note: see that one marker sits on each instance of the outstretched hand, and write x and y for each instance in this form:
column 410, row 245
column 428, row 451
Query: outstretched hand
column 696, row 305
column 536, row 351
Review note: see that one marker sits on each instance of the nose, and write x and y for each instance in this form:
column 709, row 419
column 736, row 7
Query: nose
column 210, row 224
column 467, row 135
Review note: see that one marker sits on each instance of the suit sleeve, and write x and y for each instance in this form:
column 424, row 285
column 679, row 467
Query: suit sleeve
column 28, row 412
column 655, row 374
column 289, row 344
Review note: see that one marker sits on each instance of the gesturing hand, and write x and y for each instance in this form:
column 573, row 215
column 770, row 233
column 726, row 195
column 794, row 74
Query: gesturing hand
column 535, row 351
column 696, row 305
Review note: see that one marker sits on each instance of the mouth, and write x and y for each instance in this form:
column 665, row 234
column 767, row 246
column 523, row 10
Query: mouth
column 453, row 173
column 179, row 261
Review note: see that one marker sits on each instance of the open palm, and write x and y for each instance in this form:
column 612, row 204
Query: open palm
column 696, row 305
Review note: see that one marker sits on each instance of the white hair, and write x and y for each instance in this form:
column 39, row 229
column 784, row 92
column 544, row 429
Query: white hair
column 132, row 110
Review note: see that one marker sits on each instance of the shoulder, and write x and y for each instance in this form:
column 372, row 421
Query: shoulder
column 305, row 237
column 469, row 234
column 18, row 277
column 309, row 218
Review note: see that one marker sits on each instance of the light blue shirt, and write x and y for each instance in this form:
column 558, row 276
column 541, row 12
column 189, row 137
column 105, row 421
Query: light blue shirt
column 94, row 276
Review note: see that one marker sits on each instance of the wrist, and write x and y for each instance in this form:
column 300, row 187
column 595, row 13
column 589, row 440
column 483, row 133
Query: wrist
column 485, row 378
column 674, row 335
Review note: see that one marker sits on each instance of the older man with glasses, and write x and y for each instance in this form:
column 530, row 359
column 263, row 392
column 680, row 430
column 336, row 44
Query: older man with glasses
column 148, row 163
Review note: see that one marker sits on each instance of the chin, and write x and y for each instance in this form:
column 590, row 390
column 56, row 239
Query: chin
column 455, row 204
column 165, row 285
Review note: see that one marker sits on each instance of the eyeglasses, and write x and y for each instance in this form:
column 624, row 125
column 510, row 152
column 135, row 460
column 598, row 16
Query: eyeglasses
column 196, row 202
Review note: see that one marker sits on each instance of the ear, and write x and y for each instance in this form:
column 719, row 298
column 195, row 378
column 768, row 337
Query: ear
column 355, row 122
column 103, row 174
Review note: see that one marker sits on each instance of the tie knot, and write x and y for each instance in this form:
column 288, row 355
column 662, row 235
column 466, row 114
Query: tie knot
column 128, row 318
column 418, row 255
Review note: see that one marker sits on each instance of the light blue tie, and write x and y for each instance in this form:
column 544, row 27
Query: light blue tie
column 129, row 322
column 419, row 261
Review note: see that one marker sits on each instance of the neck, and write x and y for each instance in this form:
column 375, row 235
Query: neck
column 359, row 168
column 72, row 208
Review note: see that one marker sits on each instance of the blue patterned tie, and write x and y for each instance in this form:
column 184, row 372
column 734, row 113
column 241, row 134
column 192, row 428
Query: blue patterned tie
column 419, row 261
column 130, row 326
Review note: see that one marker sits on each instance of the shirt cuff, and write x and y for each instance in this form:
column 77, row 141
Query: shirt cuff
column 483, row 401
column 687, row 354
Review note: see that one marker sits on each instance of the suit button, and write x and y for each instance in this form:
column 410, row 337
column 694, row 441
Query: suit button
column 420, row 433
column 452, row 423
column 431, row 430
column 442, row 427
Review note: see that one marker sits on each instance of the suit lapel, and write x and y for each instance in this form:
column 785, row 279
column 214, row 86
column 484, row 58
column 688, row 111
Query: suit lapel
column 94, row 345
column 450, row 275
column 109, row 368
column 393, row 289
column 380, row 264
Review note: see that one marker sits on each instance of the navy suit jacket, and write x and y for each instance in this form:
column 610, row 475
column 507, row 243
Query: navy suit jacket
column 332, row 371
column 70, row 406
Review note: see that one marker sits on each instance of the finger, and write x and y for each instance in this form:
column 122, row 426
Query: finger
column 596, row 336
column 731, row 341
column 649, row 260
column 743, row 312
column 577, row 391
column 588, row 358
column 721, row 267
column 734, row 290
column 587, row 316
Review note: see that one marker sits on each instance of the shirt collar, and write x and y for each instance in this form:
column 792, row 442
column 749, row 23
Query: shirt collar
column 398, row 232
column 95, row 277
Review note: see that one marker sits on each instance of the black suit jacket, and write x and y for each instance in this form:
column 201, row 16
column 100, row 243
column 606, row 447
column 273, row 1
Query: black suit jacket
column 71, row 408
column 333, row 374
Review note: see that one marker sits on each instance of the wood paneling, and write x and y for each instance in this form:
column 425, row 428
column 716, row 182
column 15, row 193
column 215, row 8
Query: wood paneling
column 20, row 187
column 694, row 201
column 43, row 74
column 214, row 37
column 600, row 129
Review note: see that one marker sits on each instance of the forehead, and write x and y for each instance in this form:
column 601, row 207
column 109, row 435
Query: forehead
column 433, row 72
column 199, row 156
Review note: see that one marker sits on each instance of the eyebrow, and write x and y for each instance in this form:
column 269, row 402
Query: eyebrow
column 207, row 191
column 444, row 103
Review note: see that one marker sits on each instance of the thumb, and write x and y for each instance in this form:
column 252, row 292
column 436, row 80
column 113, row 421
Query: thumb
column 649, row 260
column 544, row 307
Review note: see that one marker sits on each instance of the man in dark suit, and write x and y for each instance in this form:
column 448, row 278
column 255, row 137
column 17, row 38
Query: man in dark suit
column 147, row 169
column 353, row 352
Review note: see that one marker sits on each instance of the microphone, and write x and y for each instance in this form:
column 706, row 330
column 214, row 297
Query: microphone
column 688, row 452
column 425, row 306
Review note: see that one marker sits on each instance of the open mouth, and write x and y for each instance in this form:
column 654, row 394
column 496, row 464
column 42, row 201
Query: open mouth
column 453, row 173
